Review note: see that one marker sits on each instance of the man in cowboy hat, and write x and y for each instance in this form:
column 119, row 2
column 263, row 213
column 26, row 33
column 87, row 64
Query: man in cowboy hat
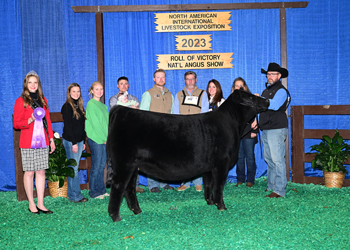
column 274, row 124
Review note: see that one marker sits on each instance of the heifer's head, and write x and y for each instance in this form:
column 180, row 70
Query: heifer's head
column 258, row 104
column 244, row 105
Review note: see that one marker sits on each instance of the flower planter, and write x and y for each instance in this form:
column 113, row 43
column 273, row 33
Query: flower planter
column 55, row 191
column 333, row 179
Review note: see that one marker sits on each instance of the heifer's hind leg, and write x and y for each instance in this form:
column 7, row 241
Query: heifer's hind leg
column 130, row 194
column 115, row 201
column 119, row 183
column 219, row 179
column 208, row 187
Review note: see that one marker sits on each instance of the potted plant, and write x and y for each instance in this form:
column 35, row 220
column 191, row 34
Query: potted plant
column 58, row 169
column 330, row 155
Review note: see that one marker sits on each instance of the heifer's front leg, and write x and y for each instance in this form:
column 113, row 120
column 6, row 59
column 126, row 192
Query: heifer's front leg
column 119, row 182
column 208, row 187
column 219, row 178
column 130, row 194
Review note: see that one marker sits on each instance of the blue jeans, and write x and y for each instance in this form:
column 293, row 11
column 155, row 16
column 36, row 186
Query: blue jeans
column 274, row 154
column 153, row 183
column 74, row 192
column 198, row 181
column 246, row 155
column 98, row 163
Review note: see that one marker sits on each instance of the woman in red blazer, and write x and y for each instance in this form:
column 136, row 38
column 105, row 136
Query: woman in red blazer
column 36, row 134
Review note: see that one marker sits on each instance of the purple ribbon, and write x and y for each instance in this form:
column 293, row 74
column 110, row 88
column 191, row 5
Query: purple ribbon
column 38, row 139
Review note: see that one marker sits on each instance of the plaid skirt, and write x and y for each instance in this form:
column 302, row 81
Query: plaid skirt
column 35, row 159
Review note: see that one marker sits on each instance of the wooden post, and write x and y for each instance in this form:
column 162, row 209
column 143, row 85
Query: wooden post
column 100, row 51
column 283, row 41
column 297, row 143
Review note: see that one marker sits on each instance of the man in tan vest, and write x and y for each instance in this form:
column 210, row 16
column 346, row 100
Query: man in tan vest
column 189, row 101
column 157, row 99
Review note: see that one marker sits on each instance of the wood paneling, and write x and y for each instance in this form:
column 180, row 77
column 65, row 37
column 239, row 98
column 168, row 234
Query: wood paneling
column 299, row 157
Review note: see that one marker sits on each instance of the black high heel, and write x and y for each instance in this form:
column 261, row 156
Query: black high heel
column 37, row 212
column 45, row 212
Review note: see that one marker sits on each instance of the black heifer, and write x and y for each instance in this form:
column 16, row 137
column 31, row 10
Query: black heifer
column 177, row 147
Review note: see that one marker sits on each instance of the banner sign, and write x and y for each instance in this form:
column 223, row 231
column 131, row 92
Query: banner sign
column 195, row 61
column 193, row 42
column 192, row 21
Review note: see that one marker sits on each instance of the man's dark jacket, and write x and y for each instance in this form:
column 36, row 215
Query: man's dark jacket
column 274, row 119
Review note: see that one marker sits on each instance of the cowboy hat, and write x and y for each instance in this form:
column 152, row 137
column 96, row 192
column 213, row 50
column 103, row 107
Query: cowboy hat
column 275, row 67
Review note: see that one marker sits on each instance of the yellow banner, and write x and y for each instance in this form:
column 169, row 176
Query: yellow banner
column 193, row 42
column 192, row 21
column 195, row 61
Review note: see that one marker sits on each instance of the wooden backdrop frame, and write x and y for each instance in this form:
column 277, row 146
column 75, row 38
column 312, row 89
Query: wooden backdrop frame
column 98, row 10
column 282, row 6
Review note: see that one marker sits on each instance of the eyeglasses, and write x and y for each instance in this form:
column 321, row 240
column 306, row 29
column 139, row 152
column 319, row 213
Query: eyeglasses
column 272, row 74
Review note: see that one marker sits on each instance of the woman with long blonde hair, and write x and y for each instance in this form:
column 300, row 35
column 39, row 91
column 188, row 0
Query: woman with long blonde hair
column 74, row 137
column 32, row 117
column 96, row 127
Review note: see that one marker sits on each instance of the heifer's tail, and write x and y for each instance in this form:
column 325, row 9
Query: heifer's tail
column 109, row 169
column 112, row 115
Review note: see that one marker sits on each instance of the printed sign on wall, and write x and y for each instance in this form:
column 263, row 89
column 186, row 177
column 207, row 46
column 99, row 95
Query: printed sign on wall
column 195, row 61
column 192, row 21
column 193, row 42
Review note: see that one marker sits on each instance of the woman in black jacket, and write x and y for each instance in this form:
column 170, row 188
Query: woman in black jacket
column 74, row 137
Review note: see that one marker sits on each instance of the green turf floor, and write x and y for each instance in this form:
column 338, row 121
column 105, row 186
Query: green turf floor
column 309, row 217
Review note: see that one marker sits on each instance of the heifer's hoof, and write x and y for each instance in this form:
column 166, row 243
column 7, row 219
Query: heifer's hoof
column 210, row 202
column 221, row 207
column 115, row 218
column 137, row 211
